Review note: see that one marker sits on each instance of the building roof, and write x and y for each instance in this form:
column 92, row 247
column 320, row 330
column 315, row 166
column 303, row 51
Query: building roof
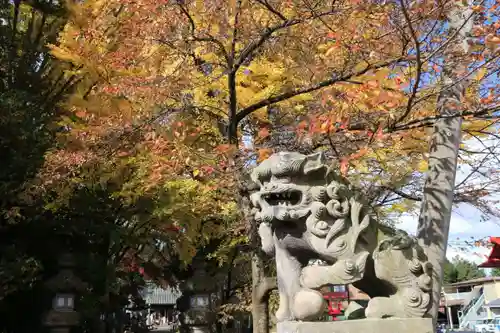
column 161, row 296
column 453, row 302
column 475, row 282
column 494, row 303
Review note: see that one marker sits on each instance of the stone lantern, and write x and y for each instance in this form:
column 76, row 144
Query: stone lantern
column 195, row 304
column 64, row 286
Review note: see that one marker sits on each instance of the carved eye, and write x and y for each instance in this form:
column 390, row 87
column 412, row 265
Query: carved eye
column 322, row 225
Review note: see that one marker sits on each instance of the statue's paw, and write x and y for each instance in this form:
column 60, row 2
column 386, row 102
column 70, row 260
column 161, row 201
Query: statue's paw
column 283, row 314
column 313, row 277
column 308, row 304
column 266, row 236
column 381, row 307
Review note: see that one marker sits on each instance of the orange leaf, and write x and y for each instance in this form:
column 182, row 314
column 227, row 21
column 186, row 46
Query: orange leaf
column 344, row 166
column 344, row 123
column 325, row 126
column 263, row 133
column 123, row 153
column 359, row 154
column 302, row 124
column 223, row 148
column 263, row 154
column 487, row 99
column 80, row 113
column 493, row 39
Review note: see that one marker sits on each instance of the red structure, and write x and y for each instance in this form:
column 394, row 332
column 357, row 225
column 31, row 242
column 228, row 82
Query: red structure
column 494, row 258
column 335, row 299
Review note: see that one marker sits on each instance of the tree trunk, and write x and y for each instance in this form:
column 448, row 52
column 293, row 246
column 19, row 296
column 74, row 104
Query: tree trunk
column 435, row 215
column 260, row 296
column 261, row 284
column 434, row 220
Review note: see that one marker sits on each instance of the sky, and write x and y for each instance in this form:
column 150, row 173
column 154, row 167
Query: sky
column 466, row 223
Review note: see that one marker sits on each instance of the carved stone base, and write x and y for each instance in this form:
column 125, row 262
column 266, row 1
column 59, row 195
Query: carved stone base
column 55, row 318
column 409, row 325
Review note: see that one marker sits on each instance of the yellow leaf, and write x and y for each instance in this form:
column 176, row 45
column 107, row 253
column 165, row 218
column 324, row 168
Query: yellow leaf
column 331, row 50
column 422, row 166
column 62, row 54
column 196, row 172
column 481, row 73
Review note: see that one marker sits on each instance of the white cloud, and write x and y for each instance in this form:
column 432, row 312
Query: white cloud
column 463, row 227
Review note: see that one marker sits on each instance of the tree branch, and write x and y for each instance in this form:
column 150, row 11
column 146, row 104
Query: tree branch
column 428, row 121
column 267, row 285
column 267, row 34
column 209, row 38
column 418, row 74
column 300, row 91
column 402, row 194
column 235, row 31
column 271, row 9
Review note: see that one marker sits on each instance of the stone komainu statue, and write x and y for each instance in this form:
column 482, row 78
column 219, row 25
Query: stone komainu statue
column 306, row 212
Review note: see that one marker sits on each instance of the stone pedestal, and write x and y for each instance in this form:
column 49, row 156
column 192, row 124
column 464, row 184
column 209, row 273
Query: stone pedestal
column 408, row 325
column 199, row 329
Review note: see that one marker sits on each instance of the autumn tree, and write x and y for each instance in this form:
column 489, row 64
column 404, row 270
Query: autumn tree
column 50, row 195
column 358, row 80
column 32, row 84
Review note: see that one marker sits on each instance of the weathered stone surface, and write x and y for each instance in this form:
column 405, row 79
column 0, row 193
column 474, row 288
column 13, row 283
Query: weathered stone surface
column 56, row 318
column 307, row 212
column 390, row 325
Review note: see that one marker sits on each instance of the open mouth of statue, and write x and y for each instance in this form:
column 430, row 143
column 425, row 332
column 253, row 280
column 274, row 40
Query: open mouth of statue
column 286, row 199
